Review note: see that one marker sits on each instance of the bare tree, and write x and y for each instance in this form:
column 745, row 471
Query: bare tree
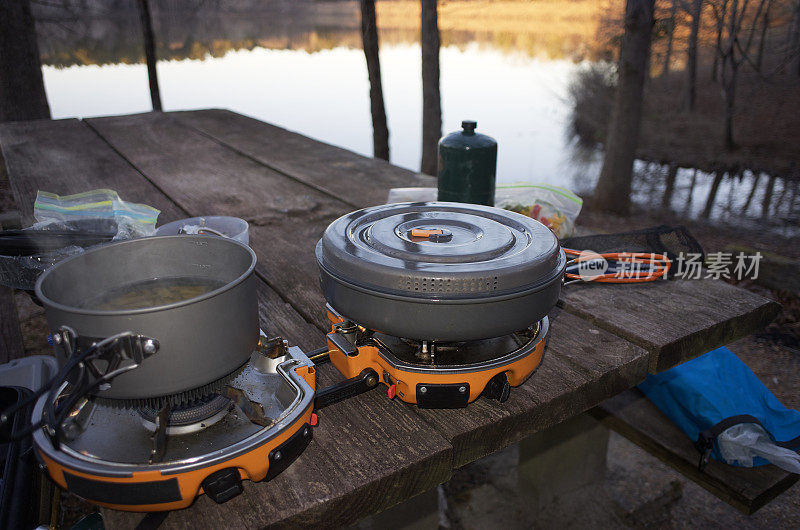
column 733, row 52
column 670, row 27
column 690, row 85
column 669, row 188
column 613, row 190
column 720, row 8
column 369, row 39
column 793, row 49
column 763, row 39
column 712, row 194
column 431, row 101
column 149, row 52
column 22, row 95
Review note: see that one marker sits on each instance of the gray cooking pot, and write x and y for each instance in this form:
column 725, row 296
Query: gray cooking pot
column 202, row 339
column 471, row 272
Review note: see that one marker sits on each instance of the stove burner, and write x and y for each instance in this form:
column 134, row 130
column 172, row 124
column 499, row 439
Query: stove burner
column 430, row 353
column 193, row 417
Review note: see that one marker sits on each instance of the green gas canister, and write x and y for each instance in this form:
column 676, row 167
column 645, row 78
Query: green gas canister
column 467, row 166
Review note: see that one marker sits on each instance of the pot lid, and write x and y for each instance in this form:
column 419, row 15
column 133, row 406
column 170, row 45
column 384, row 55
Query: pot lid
column 440, row 250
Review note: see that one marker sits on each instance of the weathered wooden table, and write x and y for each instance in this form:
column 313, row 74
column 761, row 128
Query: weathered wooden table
column 368, row 453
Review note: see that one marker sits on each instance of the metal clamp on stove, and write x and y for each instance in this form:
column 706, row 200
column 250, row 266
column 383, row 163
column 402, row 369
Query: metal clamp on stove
column 90, row 364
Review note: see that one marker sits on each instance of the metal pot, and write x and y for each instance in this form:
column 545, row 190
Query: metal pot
column 200, row 340
column 440, row 271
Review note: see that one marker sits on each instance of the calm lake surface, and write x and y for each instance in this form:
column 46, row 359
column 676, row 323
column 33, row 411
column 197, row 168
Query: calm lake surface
column 300, row 66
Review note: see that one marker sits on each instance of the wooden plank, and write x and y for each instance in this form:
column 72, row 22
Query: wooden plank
column 633, row 416
column 357, row 180
column 10, row 336
column 207, row 178
column 674, row 320
column 582, row 366
column 385, row 461
column 65, row 156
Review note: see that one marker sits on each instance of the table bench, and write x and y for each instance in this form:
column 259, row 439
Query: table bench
column 368, row 453
column 633, row 416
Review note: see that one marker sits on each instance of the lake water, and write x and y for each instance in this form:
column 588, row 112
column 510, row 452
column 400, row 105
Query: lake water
column 303, row 69
column 518, row 100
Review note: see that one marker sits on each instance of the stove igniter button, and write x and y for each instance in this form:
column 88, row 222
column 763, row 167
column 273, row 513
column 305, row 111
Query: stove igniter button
column 223, row 485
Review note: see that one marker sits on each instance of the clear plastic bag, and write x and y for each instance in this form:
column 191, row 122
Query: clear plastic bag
column 555, row 207
column 21, row 272
column 741, row 443
column 97, row 212
column 57, row 212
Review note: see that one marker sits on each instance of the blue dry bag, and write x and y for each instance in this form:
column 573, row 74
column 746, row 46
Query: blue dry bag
column 724, row 408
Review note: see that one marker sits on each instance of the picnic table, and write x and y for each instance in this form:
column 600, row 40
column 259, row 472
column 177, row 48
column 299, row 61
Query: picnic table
column 369, row 452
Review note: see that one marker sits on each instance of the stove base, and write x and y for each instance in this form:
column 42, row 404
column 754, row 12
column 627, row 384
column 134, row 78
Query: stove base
column 352, row 349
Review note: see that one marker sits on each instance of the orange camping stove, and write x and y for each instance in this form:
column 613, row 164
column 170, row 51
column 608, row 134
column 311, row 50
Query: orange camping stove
column 436, row 374
column 143, row 459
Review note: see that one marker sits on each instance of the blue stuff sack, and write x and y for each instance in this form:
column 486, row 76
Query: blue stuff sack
column 715, row 394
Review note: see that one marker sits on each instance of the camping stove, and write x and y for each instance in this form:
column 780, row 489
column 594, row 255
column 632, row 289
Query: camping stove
column 437, row 374
column 140, row 456
column 442, row 302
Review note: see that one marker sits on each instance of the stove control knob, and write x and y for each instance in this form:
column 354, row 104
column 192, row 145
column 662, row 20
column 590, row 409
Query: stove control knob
column 223, row 485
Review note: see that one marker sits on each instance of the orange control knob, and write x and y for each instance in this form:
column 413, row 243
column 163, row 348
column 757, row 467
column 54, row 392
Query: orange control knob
column 392, row 391
column 419, row 232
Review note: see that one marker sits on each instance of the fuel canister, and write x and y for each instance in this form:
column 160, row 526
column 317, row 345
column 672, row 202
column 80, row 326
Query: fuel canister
column 467, row 166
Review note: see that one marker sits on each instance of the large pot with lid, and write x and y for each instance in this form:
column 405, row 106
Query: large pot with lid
column 440, row 271
column 193, row 295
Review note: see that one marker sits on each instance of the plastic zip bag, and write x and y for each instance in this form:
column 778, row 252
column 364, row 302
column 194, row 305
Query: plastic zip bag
column 555, row 207
column 103, row 205
column 99, row 212
column 741, row 444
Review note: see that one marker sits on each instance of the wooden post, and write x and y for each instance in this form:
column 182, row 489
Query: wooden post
column 369, row 39
column 431, row 100
column 22, row 95
column 149, row 52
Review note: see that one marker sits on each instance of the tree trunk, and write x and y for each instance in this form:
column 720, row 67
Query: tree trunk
column 613, row 190
column 22, row 95
column 794, row 40
column 756, row 178
column 672, row 174
column 149, row 52
column 712, row 194
column 690, row 87
column 431, row 102
column 720, row 30
column 729, row 100
column 730, row 74
column 768, row 196
column 369, row 39
column 762, row 41
column 668, row 54
column 690, row 196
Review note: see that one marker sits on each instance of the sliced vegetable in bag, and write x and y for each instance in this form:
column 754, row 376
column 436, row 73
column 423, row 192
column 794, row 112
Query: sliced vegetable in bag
column 555, row 207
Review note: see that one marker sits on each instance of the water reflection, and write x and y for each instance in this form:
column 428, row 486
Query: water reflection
column 300, row 66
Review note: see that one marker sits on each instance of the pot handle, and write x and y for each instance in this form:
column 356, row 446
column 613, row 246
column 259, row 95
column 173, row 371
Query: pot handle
column 85, row 370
